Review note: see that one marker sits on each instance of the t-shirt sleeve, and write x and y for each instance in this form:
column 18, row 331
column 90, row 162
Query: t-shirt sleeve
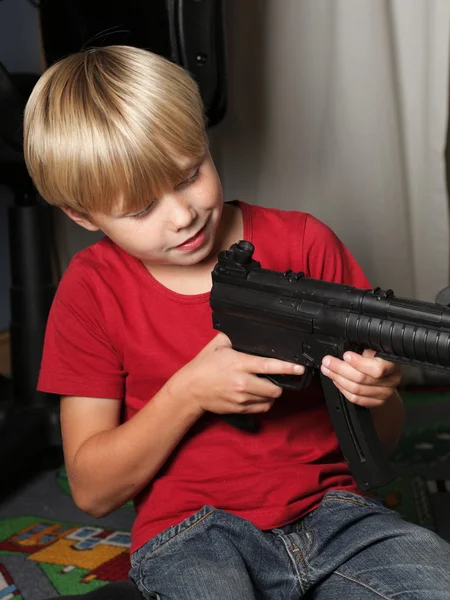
column 327, row 258
column 79, row 357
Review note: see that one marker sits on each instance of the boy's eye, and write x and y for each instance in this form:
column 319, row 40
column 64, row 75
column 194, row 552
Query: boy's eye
column 143, row 212
column 191, row 178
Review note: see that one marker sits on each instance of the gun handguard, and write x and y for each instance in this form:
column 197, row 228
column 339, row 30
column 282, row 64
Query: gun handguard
column 291, row 317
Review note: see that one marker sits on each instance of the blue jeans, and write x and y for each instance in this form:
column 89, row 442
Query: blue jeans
column 349, row 547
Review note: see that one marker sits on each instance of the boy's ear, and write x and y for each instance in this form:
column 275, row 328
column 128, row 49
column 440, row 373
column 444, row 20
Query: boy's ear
column 79, row 219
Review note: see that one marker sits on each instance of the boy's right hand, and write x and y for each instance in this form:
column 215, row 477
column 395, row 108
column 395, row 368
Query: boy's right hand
column 224, row 381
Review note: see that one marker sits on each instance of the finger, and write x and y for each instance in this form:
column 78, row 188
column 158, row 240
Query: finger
column 346, row 375
column 249, row 402
column 271, row 366
column 365, row 401
column 360, row 384
column 360, row 368
column 246, row 387
column 354, row 390
column 370, row 364
column 262, row 406
column 260, row 387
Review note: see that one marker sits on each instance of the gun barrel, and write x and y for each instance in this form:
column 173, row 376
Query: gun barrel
column 410, row 344
column 403, row 330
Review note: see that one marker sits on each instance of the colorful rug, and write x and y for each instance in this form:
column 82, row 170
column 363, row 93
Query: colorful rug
column 74, row 558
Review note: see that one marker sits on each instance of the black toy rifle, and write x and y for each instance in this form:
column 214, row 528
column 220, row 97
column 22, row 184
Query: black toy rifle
column 297, row 319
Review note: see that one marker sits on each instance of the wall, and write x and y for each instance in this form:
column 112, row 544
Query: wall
column 339, row 108
column 19, row 51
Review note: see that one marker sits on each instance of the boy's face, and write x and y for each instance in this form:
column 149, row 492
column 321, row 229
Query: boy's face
column 178, row 228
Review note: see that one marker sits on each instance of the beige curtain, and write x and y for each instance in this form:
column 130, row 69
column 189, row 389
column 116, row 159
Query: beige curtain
column 339, row 108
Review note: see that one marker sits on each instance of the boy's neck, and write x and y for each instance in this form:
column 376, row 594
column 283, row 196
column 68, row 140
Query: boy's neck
column 197, row 278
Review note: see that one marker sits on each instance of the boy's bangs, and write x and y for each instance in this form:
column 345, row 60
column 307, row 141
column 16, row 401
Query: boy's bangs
column 130, row 183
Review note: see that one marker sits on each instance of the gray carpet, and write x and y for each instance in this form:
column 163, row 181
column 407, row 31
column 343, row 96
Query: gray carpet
column 42, row 496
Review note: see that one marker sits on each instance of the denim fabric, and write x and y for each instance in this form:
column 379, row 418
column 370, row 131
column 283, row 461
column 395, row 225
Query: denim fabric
column 349, row 546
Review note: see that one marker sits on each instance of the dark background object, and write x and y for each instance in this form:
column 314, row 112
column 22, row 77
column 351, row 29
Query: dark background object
column 26, row 415
column 188, row 32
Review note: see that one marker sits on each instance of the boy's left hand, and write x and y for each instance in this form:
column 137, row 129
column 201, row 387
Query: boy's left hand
column 362, row 378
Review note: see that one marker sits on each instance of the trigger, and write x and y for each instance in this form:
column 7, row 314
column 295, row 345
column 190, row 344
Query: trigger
column 293, row 382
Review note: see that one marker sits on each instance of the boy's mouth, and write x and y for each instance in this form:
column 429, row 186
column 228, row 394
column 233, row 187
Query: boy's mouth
column 195, row 241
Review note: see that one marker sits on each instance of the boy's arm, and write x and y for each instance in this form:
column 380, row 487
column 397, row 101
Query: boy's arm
column 108, row 463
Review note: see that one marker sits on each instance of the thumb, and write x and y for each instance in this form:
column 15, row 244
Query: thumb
column 221, row 340
column 368, row 353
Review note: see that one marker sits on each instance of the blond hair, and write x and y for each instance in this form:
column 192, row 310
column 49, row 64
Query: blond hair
column 106, row 125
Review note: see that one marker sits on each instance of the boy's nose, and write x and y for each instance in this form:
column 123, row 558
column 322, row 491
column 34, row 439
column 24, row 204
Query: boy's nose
column 181, row 214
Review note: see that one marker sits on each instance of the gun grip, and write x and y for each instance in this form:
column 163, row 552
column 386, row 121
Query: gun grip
column 244, row 422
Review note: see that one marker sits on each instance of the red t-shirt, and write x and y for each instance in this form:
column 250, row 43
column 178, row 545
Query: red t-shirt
column 115, row 332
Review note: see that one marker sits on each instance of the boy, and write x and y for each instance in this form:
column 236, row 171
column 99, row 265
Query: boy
column 115, row 137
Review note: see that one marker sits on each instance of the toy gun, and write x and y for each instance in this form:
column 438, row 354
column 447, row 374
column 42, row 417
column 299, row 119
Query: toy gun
column 297, row 319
